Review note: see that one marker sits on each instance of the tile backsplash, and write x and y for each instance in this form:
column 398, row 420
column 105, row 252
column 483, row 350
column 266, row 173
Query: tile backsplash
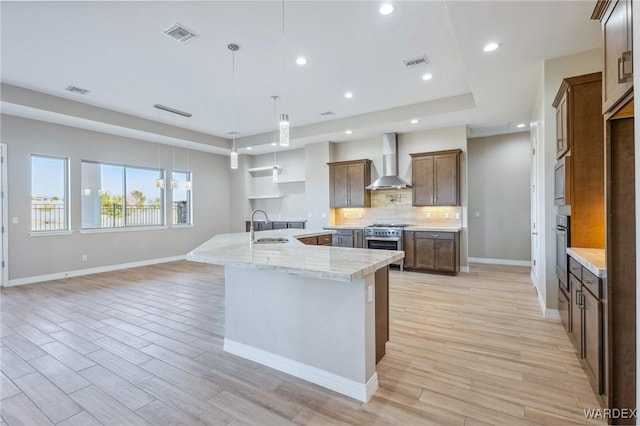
column 394, row 206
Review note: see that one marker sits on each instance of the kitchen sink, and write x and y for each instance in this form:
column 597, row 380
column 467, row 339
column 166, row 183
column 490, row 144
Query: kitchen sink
column 276, row 240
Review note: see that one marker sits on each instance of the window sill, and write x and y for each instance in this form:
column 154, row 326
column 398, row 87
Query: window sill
column 178, row 226
column 122, row 229
column 49, row 233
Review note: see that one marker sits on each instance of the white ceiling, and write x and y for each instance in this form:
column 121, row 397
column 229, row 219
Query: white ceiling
column 117, row 51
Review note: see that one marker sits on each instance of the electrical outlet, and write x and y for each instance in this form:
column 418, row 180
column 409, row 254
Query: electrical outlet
column 457, row 215
column 447, row 215
column 84, row 257
column 309, row 215
column 477, row 214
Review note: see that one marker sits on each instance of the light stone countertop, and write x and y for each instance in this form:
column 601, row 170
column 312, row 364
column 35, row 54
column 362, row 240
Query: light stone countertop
column 294, row 257
column 433, row 228
column 343, row 227
column 592, row 259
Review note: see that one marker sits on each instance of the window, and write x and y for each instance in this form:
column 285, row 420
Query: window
column 181, row 194
column 115, row 196
column 49, row 189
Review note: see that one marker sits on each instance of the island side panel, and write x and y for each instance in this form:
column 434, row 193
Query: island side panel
column 329, row 325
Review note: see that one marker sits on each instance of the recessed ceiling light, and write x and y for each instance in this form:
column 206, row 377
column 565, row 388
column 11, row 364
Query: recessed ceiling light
column 273, row 144
column 490, row 47
column 386, row 9
column 520, row 126
column 348, row 132
column 414, row 121
column 348, row 95
column 427, row 76
column 301, row 60
column 249, row 148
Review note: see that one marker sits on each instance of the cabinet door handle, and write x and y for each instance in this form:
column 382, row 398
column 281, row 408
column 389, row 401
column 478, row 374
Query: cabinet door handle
column 627, row 58
column 432, row 199
column 620, row 79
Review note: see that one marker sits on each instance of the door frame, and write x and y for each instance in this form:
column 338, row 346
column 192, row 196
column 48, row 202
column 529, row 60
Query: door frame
column 4, row 216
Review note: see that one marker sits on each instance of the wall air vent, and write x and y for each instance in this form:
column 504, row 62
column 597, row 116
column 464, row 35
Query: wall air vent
column 78, row 90
column 179, row 33
column 413, row 62
column 327, row 113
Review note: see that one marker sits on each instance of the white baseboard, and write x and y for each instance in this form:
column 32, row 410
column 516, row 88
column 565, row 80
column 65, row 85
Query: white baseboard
column 464, row 268
column 88, row 271
column 360, row 391
column 491, row 261
column 549, row 314
column 552, row 315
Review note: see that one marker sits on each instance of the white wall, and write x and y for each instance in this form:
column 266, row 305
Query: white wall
column 31, row 256
column 543, row 116
column 499, row 173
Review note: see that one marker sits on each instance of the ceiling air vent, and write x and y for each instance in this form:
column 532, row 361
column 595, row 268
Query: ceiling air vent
column 78, row 90
column 327, row 113
column 412, row 62
column 180, row 33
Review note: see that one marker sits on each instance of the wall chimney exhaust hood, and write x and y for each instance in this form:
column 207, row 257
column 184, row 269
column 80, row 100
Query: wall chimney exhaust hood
column 389, row 178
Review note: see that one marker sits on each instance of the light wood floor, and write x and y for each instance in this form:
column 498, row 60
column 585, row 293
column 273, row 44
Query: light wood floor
column 144, row 346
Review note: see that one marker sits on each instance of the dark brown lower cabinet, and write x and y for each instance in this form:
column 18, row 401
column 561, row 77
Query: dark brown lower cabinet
column 564, row 305
column 432, row 251
column 260, row 225
column 587, row 323
column 575, row 332
column 592, row 338
column 319, row 240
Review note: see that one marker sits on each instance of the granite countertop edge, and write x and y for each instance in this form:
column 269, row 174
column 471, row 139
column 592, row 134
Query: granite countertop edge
column 592, row 259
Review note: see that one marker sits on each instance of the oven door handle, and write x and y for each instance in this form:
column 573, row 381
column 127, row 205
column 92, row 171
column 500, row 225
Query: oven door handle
column 382, row 238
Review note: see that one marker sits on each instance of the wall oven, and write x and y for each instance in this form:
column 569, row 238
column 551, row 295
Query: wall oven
column 385, row 237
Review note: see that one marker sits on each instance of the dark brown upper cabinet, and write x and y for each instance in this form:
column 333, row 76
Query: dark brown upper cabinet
column 347, row 183
column 617, row 41
column 436, row 178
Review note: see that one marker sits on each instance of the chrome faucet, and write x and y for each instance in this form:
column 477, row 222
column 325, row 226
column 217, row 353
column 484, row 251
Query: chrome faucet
column 251, row 230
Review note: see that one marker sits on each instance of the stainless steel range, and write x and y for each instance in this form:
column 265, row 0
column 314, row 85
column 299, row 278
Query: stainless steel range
column 385, row 236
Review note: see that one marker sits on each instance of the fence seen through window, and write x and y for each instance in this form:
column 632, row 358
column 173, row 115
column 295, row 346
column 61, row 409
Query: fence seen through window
column 116, row 196
column 49, row 200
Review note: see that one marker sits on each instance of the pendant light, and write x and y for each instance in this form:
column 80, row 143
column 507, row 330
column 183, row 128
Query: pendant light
column 274, row 171
column 284, row 118
column 160, row 179
column 174, row 181
column 234, row 151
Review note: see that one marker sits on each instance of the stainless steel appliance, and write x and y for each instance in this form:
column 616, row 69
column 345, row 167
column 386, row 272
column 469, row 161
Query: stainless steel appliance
column 385, row 236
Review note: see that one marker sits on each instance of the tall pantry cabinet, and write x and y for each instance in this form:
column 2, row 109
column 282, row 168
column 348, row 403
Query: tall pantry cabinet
column 618, row 109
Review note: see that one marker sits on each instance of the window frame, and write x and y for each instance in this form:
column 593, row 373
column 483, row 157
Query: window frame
column 125, row 227
column 67, row 195
column 189, row 200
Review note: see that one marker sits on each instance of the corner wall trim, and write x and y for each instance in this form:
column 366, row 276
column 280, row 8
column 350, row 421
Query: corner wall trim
column 89, row 271
column 492, row 261
column 360, row 391
column 548, row 314
column 464, row 268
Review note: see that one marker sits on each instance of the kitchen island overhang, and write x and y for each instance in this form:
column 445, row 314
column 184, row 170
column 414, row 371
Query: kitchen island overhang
column 309, row 311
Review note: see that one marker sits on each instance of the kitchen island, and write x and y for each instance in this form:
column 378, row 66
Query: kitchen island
column 309, row 311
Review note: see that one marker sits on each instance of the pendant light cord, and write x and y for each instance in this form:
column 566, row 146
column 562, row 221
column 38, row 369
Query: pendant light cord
column 233, row 95
column 275, row 133
column 283, row 55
